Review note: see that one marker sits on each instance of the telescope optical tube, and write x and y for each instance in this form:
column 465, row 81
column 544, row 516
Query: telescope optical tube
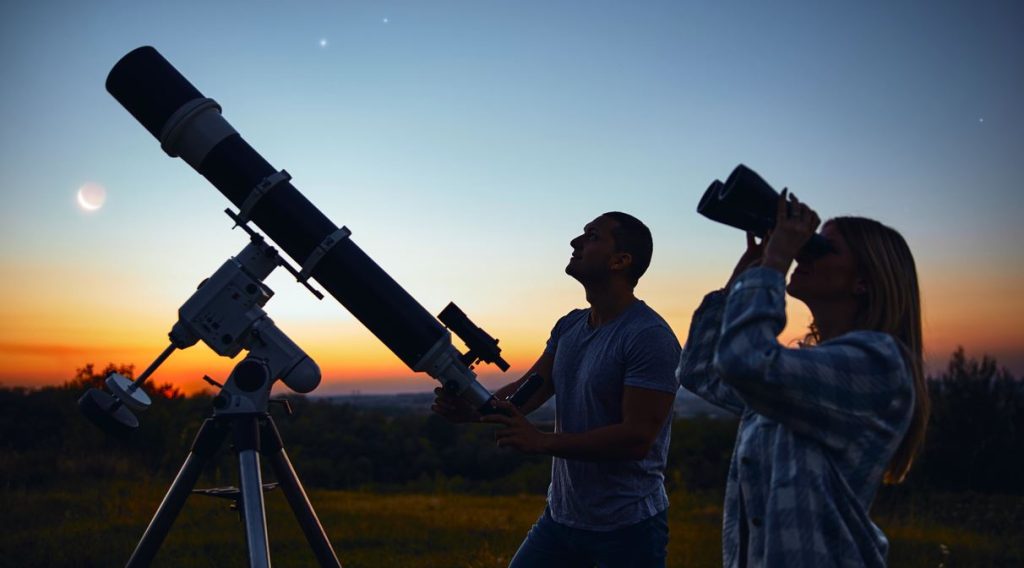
column 189, row 125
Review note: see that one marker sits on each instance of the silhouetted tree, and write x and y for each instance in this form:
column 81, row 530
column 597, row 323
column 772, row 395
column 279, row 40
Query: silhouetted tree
column 976, row 435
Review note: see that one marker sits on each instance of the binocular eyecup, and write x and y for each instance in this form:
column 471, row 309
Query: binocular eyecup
column 745, row 201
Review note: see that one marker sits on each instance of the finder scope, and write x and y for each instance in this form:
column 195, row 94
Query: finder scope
column 747, row 202
column 189, row 125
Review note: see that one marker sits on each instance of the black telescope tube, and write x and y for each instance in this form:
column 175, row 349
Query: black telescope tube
column 152, row 90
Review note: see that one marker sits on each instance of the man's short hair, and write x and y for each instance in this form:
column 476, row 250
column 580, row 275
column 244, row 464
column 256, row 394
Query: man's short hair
column 634, row 238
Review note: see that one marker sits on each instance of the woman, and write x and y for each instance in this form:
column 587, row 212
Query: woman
column 824, row 425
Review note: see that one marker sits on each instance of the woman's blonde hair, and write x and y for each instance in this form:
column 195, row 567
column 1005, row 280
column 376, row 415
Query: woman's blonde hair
column 891, row 304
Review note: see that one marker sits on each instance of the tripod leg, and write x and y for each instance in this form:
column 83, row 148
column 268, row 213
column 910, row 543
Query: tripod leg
column 211, row 435
column 247, row 443
column 273, row 448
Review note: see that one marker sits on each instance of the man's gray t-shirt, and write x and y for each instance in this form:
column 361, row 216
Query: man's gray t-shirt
column 591, row 367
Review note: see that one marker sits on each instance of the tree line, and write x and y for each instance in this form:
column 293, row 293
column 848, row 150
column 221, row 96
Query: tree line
column 975, row 441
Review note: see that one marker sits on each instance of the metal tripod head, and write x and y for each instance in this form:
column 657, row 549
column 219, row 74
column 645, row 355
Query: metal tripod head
column 226, row 313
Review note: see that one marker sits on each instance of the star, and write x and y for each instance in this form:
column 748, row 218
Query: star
column 981, row 120
column 323, row 42
column 385, row 20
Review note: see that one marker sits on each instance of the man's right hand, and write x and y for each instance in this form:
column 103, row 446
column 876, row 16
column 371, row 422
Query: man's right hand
column 453, row 408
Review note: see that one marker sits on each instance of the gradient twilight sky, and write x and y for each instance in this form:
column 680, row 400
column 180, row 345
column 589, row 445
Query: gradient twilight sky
column 465, row 144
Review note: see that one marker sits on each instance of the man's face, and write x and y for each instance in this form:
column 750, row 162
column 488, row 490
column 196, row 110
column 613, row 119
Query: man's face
column 593, row 252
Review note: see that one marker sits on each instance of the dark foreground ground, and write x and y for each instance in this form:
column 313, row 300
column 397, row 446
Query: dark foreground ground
column 96, row 525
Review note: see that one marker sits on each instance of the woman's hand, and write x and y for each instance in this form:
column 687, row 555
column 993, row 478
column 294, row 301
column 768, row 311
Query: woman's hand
column 751, row 258
column 518, row 432
column 794, row 225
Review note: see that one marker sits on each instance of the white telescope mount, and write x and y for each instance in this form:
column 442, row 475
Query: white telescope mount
column 226, row 313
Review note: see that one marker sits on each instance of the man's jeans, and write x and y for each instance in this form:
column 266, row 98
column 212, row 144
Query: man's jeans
column 554, row 545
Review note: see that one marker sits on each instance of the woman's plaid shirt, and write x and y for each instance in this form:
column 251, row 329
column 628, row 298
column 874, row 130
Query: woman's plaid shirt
column 818, row 427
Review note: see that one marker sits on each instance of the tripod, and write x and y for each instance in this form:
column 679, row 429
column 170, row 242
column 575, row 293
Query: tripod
column 253, row 433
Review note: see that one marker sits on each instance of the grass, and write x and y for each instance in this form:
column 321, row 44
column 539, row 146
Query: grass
column 99, row 525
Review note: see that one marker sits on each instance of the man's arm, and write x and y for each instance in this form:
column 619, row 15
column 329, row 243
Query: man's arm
column 543, row 367
column 644, row 412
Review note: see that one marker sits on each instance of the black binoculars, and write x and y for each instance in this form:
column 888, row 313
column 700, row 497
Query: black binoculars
column 747, row 202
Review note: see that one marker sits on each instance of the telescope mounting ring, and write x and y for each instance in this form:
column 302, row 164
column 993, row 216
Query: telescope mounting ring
column 321, row 250
column 257, row 193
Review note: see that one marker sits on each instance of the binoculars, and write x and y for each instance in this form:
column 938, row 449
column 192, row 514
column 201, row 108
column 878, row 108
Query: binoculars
column 747, row 202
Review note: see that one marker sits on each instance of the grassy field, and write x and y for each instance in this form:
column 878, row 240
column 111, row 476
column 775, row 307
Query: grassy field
column 99, row 526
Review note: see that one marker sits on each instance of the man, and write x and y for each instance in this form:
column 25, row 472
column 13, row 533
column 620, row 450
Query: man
column 611, row 369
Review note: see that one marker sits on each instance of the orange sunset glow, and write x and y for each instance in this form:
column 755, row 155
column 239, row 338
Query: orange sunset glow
column 46, row 341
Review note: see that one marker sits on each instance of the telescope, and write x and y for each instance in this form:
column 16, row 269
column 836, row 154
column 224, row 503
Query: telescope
column 226, row 312
column 745, row 201
column 190, row 125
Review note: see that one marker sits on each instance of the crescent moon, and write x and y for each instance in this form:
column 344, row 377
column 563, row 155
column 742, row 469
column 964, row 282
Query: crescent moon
column 87, row 191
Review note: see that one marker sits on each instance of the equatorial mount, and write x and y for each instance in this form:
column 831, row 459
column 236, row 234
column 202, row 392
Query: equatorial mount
column 226, row 313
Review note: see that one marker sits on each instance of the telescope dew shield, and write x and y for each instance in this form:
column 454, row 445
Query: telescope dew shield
column 191, row 126
column 745, row 201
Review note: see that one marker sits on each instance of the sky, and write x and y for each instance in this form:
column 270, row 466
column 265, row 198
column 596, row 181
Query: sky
column 466, row 143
